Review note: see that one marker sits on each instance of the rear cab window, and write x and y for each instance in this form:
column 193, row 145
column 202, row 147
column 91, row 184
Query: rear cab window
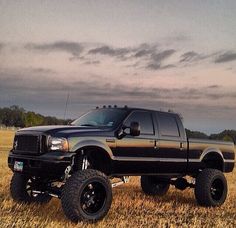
column 168, row 125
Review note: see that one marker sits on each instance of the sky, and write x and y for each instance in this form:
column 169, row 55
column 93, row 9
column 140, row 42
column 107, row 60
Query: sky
column 178, row 55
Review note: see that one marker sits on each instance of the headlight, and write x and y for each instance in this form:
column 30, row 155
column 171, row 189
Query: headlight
column 58, row 144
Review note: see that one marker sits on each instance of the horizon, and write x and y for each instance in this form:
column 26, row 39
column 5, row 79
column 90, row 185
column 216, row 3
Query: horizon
column 177, row 55
column 72, row 119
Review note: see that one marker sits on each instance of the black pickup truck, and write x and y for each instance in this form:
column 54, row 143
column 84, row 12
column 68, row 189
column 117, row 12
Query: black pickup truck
column 81, row 162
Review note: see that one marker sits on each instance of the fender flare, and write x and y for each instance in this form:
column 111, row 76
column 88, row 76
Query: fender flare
column 211, row 150
column 93, row 143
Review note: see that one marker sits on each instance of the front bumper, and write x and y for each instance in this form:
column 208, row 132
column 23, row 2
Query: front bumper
column 52, row 164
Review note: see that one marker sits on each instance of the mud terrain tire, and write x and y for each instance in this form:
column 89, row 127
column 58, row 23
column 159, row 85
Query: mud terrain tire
column 86, row 196
column 211, row 188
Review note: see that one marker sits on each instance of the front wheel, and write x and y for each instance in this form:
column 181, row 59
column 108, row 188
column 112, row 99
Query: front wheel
column 23, row 189
column 153, row 185
column 86, row 196
column 211, row 188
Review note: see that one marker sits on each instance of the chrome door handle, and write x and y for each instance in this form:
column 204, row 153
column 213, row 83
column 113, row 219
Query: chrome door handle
column 156, row 145
column 181, row 146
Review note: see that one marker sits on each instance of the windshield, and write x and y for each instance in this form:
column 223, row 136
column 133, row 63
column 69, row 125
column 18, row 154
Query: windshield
column 101, row 118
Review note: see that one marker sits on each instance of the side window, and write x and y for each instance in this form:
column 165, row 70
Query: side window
column 168, row 125
column 145, row 121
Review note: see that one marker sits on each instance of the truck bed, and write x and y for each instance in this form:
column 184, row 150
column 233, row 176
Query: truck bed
column 198, row 150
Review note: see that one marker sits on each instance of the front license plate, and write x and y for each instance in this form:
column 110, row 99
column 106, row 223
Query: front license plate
column 18, row 166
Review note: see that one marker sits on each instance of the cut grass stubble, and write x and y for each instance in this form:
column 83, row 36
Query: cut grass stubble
column 130, row 206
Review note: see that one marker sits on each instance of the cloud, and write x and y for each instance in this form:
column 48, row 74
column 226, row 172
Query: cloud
column 34, row 80
column 73, row 48
column 153, row 66
column 110, row 51
column 193, row 57
column 25, row 83
column 142, row 53
column 94, row 62
column 46, row 94
column 226, row 57
column 214, row 87
column 156, row 59
column 144, row 50
column 189, row 56
column 159, row 57
column 151, row 56
column 168, row 66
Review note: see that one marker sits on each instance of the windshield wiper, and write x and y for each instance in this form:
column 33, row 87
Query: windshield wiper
column 92, row 125
column 88, row 125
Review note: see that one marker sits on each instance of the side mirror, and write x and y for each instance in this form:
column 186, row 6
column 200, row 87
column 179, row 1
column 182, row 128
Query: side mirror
column 134, row 129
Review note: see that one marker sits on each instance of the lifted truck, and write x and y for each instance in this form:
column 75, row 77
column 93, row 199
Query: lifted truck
column 79, row 163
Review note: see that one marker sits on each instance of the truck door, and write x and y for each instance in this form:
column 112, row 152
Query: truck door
column 171, row 143
column 138, row 150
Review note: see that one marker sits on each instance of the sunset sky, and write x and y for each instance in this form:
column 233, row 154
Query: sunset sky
column 178, row 55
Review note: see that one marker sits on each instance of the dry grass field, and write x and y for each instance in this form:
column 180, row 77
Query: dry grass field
column 130, row 207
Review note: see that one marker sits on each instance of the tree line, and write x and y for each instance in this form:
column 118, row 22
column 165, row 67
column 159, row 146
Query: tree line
column 226, row 135
column 19, row 117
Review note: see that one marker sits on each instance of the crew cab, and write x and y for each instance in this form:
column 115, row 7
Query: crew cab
column 78, row 163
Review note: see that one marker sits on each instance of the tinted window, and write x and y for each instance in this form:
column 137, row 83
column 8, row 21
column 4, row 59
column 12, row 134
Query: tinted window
column 101, row 118
column 167, row 125
column 144, row 119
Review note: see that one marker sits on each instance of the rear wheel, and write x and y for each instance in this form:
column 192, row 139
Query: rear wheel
column 87, row 195
column 211, row 188
column 23, row 189
column 153, row 185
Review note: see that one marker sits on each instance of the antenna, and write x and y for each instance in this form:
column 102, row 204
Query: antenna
column 67, row 100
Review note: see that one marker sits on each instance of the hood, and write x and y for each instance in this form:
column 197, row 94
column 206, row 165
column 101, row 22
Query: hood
column 61, row 129
column 50, row 127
